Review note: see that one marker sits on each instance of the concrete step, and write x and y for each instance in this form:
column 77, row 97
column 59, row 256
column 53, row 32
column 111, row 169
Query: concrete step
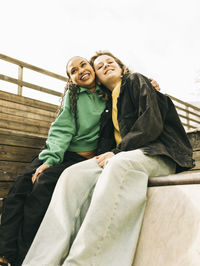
column 170, row 234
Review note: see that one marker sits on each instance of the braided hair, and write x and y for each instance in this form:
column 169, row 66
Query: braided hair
column 73, row 98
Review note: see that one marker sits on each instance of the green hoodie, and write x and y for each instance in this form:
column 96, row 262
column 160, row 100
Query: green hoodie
column 63, row 134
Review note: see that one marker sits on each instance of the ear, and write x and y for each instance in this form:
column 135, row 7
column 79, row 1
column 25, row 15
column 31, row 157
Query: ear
column 70, row 81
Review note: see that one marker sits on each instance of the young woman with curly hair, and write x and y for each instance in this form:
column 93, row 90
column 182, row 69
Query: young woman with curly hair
column 73, row 137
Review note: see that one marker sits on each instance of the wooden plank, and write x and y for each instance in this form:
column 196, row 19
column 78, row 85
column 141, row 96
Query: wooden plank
column 24, row 128
column 187, row 111
column 29, row 85
column 5, row 104
column 23, row 135
column 189, row 118
column 20, row 77
column 10, row 170
column 196, row 157
column 32, row 67
column 184, row 103
column 17, row 154
column 18, row 123
column 197, row 166
column 26, row 114
column 18, row 119
column 27, row 101
column 188, row 126
column 15, row 138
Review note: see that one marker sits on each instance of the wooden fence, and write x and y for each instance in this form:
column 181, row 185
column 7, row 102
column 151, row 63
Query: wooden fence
column 189, row 114
column 21, row 83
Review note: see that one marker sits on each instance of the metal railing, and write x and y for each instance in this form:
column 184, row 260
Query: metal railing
column 188, row 113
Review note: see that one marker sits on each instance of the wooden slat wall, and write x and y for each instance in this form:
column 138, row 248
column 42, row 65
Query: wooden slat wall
column 25, row 115
column 24, row 125
column 27, row 101
column 196, row 157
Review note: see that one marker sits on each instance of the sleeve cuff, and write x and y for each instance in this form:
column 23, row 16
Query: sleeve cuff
column 116, row 150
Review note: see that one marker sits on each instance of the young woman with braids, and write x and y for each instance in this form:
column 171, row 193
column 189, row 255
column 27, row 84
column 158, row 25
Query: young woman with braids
column 97, row 208
column 72, row 138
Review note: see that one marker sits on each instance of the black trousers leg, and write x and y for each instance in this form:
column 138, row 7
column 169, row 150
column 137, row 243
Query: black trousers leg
column 12, row 211
column 38, row 200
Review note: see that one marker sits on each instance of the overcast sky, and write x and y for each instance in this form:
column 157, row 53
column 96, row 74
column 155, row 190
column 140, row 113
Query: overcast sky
column 160, row 39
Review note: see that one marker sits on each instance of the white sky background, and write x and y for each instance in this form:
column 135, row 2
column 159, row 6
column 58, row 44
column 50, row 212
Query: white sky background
column 158, row 38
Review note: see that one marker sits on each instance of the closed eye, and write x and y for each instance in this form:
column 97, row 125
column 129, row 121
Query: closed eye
column 83, row 64
column 73, row 71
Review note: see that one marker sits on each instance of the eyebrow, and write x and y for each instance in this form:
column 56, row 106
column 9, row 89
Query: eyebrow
column 72, row 69
column 76, row 67
column 99, row 63
column 108, row 59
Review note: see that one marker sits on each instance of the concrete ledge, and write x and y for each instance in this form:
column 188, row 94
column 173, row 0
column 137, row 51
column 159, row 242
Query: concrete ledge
column 184, row 178
column 170, row 234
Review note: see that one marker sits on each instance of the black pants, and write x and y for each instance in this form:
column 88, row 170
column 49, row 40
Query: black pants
column 25, row 206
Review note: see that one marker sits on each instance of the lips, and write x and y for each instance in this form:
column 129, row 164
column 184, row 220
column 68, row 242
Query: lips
column 108, row 70
column 85, row 76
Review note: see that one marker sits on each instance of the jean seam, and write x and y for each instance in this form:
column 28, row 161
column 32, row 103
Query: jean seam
column 111, row 218
column 78, row 210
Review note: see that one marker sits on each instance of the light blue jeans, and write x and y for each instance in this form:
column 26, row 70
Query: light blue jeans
column 95, row 215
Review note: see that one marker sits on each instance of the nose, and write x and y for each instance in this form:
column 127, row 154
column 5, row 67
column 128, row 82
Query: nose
column 80, row 70
column 106, row 65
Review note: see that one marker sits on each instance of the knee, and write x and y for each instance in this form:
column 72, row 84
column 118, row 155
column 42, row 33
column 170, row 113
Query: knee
column 134, row 160
column 67, row 178
column 70, row 178
column 119, row 161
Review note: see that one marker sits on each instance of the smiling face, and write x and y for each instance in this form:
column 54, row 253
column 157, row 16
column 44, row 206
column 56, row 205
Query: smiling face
column 107, row 70
column 81, row 72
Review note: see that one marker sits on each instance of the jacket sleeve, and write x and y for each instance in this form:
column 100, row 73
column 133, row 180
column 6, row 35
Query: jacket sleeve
column 60, row 135
column 148, row 124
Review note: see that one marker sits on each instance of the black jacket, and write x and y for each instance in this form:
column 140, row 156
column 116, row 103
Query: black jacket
column 106, row 139
column 147, row 120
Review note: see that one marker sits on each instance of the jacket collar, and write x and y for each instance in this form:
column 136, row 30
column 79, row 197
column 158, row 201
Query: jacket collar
column 123, row 84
